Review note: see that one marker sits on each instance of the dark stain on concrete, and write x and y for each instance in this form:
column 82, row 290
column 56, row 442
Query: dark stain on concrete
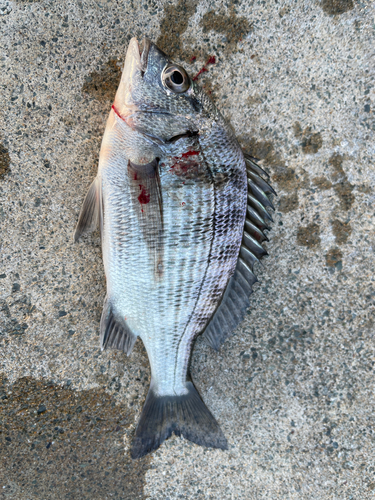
column 264, row 150
column 233, row 27
column 335, row 7
column 297, row 129
column 59, row 443
column 311, row 142
column 322, row 183
column 334, row 258
column 103, row 84
column 336, row 162
column 341, row 185
column 285, row 177
column 344, row 192
column 341, row 231
column 308, row 236
column 288, row 203
column 4, row 161
column 173, row 25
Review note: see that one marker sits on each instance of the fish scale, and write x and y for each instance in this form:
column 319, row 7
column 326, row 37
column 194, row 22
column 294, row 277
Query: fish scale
column 155, row 320
column 171, row 196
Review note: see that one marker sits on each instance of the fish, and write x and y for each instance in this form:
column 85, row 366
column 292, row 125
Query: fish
column 182, row 212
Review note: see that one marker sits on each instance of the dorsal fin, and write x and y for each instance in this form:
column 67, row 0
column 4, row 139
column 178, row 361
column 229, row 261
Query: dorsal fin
column 235, row 300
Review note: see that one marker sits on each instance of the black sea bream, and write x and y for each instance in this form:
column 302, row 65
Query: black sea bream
column 182, row 212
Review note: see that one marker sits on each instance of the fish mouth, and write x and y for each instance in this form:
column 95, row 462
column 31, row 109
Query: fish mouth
column 135, row 65
column 136, row 61
column 143, row 52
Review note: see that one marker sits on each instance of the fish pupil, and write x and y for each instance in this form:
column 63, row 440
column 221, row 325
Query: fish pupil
column 177, row 78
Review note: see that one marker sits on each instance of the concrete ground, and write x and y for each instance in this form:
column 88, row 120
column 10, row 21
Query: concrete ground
column 293, row 389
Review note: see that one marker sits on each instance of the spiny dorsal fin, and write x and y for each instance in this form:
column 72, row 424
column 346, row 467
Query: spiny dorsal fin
column 91, row 212
column 235, row 300
column 251, row 163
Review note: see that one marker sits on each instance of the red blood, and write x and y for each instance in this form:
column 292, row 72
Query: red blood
column 210, row 60
column 184, row 165
column 117, row 113
column 144, row 197
column 193, row 59
column 199, row 73
column 189, row 153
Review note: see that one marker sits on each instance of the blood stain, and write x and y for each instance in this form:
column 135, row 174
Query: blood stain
column 210, row 60
column 144, row 196
column 189, row 153
column 117, row 112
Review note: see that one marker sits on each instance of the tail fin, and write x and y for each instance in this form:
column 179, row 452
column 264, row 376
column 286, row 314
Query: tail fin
column 184, row 415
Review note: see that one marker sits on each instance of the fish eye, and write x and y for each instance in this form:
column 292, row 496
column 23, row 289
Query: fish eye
column 176, row 78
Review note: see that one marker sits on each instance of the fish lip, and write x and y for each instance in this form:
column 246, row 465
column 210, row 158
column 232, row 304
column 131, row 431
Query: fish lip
column 124, row 102
column 146, row 44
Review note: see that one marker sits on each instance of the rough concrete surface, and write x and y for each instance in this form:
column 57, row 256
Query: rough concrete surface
column 293, row 389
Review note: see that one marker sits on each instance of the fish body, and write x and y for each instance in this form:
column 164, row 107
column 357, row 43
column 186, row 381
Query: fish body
column 171, row 197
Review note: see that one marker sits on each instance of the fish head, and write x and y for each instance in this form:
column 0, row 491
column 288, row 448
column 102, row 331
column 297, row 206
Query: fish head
column 156, row 97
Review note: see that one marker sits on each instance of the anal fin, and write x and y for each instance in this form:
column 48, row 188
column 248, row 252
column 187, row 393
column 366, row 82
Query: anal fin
column 114, row 332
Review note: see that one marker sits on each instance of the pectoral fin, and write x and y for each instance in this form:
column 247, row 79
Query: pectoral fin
column 91, row 211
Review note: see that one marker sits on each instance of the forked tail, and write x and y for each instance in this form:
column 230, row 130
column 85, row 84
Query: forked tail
column 184, row 415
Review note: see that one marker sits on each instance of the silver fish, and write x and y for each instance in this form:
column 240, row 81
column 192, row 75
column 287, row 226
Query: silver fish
column 182, row 212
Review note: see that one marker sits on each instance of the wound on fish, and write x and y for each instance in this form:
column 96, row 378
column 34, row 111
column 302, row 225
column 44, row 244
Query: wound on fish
column 183, row 166
column 117, row 113
column 144, row 197
column 188, row 153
